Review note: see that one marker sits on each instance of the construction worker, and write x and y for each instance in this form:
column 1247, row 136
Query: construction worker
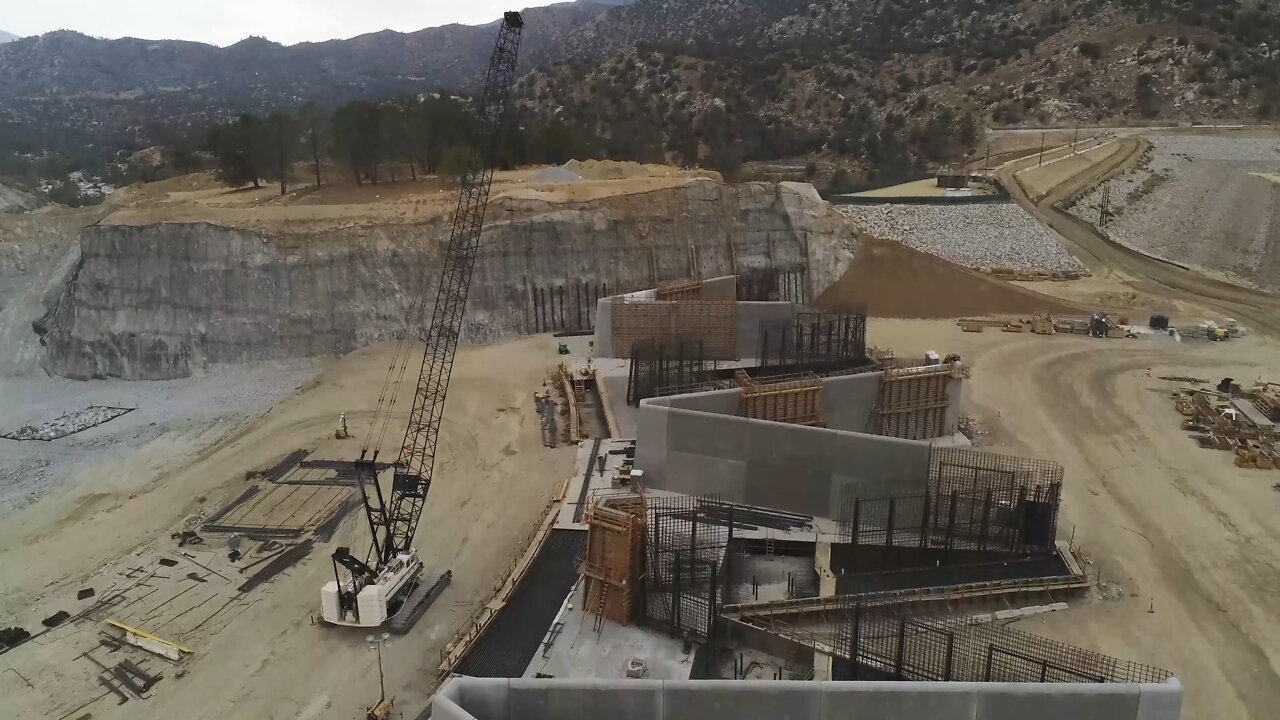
column 341, row 433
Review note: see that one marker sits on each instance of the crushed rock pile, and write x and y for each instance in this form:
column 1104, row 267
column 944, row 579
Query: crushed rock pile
column 978, row 235
column 68, row 424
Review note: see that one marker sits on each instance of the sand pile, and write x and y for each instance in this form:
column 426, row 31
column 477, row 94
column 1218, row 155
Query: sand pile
column 889, row 279
column 554, row 175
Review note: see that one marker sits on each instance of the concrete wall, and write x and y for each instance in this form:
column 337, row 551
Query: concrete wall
column 463, row 698
column 695, row 444
column 720, row 288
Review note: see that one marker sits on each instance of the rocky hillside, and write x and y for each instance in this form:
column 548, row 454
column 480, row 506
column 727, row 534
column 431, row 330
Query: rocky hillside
column 166, row 300
column 891, row 84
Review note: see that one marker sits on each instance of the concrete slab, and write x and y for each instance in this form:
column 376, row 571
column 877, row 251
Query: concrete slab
column 578, row 651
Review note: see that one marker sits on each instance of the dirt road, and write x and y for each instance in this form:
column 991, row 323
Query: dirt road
column 1148, row 275
column 1171, row 527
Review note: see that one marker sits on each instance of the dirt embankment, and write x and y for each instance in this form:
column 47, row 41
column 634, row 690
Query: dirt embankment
column 891, row 280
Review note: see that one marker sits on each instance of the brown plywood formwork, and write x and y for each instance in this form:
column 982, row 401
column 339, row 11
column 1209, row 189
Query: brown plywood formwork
column 713, row 321
column 611, row 564
column 913, row 402
column 795, row 399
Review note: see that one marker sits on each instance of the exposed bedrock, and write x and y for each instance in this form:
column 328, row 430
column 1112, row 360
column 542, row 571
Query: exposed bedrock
column 163, row 301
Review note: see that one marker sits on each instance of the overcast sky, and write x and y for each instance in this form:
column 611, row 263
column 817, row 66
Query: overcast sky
column 223, row 22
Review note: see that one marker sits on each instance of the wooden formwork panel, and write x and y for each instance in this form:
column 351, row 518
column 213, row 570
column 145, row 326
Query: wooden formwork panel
column 715, row 322
column 913, row 403
column 611, row 563
column 798, row 402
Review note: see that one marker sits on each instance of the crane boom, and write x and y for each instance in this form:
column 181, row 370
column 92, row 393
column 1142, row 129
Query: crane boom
column 412, row 478
column 372, row 592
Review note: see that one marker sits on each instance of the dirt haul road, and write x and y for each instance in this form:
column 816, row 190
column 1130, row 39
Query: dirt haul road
column 1104, row 258
column 1170, row 527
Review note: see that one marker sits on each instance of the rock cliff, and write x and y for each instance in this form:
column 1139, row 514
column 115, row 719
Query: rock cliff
column 167, row 300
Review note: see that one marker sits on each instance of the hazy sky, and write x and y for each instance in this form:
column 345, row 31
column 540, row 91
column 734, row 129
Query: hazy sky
column 223, row 22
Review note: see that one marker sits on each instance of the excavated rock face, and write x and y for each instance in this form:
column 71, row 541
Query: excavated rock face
column 164, row 301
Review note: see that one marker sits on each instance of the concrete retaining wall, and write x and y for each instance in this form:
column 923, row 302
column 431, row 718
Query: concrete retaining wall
column 463, row 698
column 695, row 444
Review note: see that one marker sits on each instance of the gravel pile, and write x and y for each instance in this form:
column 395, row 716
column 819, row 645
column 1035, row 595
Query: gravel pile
column 184, row 415
column 67, row 424
column 978, row 235
column 1199, row 200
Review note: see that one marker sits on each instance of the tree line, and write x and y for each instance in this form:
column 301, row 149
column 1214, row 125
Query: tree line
column 381, row 141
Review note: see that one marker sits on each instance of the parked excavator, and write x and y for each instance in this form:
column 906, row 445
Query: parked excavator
column 387, row 586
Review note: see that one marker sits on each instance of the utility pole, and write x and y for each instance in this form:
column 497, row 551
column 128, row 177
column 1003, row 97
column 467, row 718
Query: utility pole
column 1075, row 139
column 1041, row 150
column 375, row 643
column 986, row 164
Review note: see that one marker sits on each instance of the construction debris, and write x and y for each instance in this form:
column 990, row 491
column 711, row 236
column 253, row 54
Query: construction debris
column 278, row 564
column 157, row 645
column 56, row 619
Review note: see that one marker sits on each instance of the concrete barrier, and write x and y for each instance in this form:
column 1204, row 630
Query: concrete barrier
column 463, row 698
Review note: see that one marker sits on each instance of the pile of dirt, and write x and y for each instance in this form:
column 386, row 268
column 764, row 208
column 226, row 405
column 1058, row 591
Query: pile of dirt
column 889, row 279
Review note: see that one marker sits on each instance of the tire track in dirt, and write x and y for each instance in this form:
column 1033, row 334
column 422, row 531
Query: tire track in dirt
column 1201, row 560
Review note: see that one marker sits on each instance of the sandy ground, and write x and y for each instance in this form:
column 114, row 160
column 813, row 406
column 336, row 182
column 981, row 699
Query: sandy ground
column 341, row 203
column 493, row 482
column 1178, row 528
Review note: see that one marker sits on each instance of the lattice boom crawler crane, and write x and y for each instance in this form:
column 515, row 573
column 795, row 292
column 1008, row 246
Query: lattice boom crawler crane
column 367, row 594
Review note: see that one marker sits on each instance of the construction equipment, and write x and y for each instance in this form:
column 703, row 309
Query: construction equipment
column 370, row 592
column 380, row 711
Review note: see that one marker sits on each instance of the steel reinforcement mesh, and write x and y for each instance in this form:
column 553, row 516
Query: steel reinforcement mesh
column 667, row 367
column 953, row 469
column 685, row 543
column 814, row 339
column 1024, row 520
column 773, row 285
column 882, row 641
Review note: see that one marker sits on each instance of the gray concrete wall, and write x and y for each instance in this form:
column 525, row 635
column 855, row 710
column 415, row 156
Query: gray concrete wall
column 720, row 288
column 750, row 317
column 776, row 465
column 696, row 444
column 463, row 698
column 848, row 401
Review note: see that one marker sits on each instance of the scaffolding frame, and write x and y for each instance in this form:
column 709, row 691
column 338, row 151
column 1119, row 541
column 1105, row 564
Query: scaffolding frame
column 613, row 562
